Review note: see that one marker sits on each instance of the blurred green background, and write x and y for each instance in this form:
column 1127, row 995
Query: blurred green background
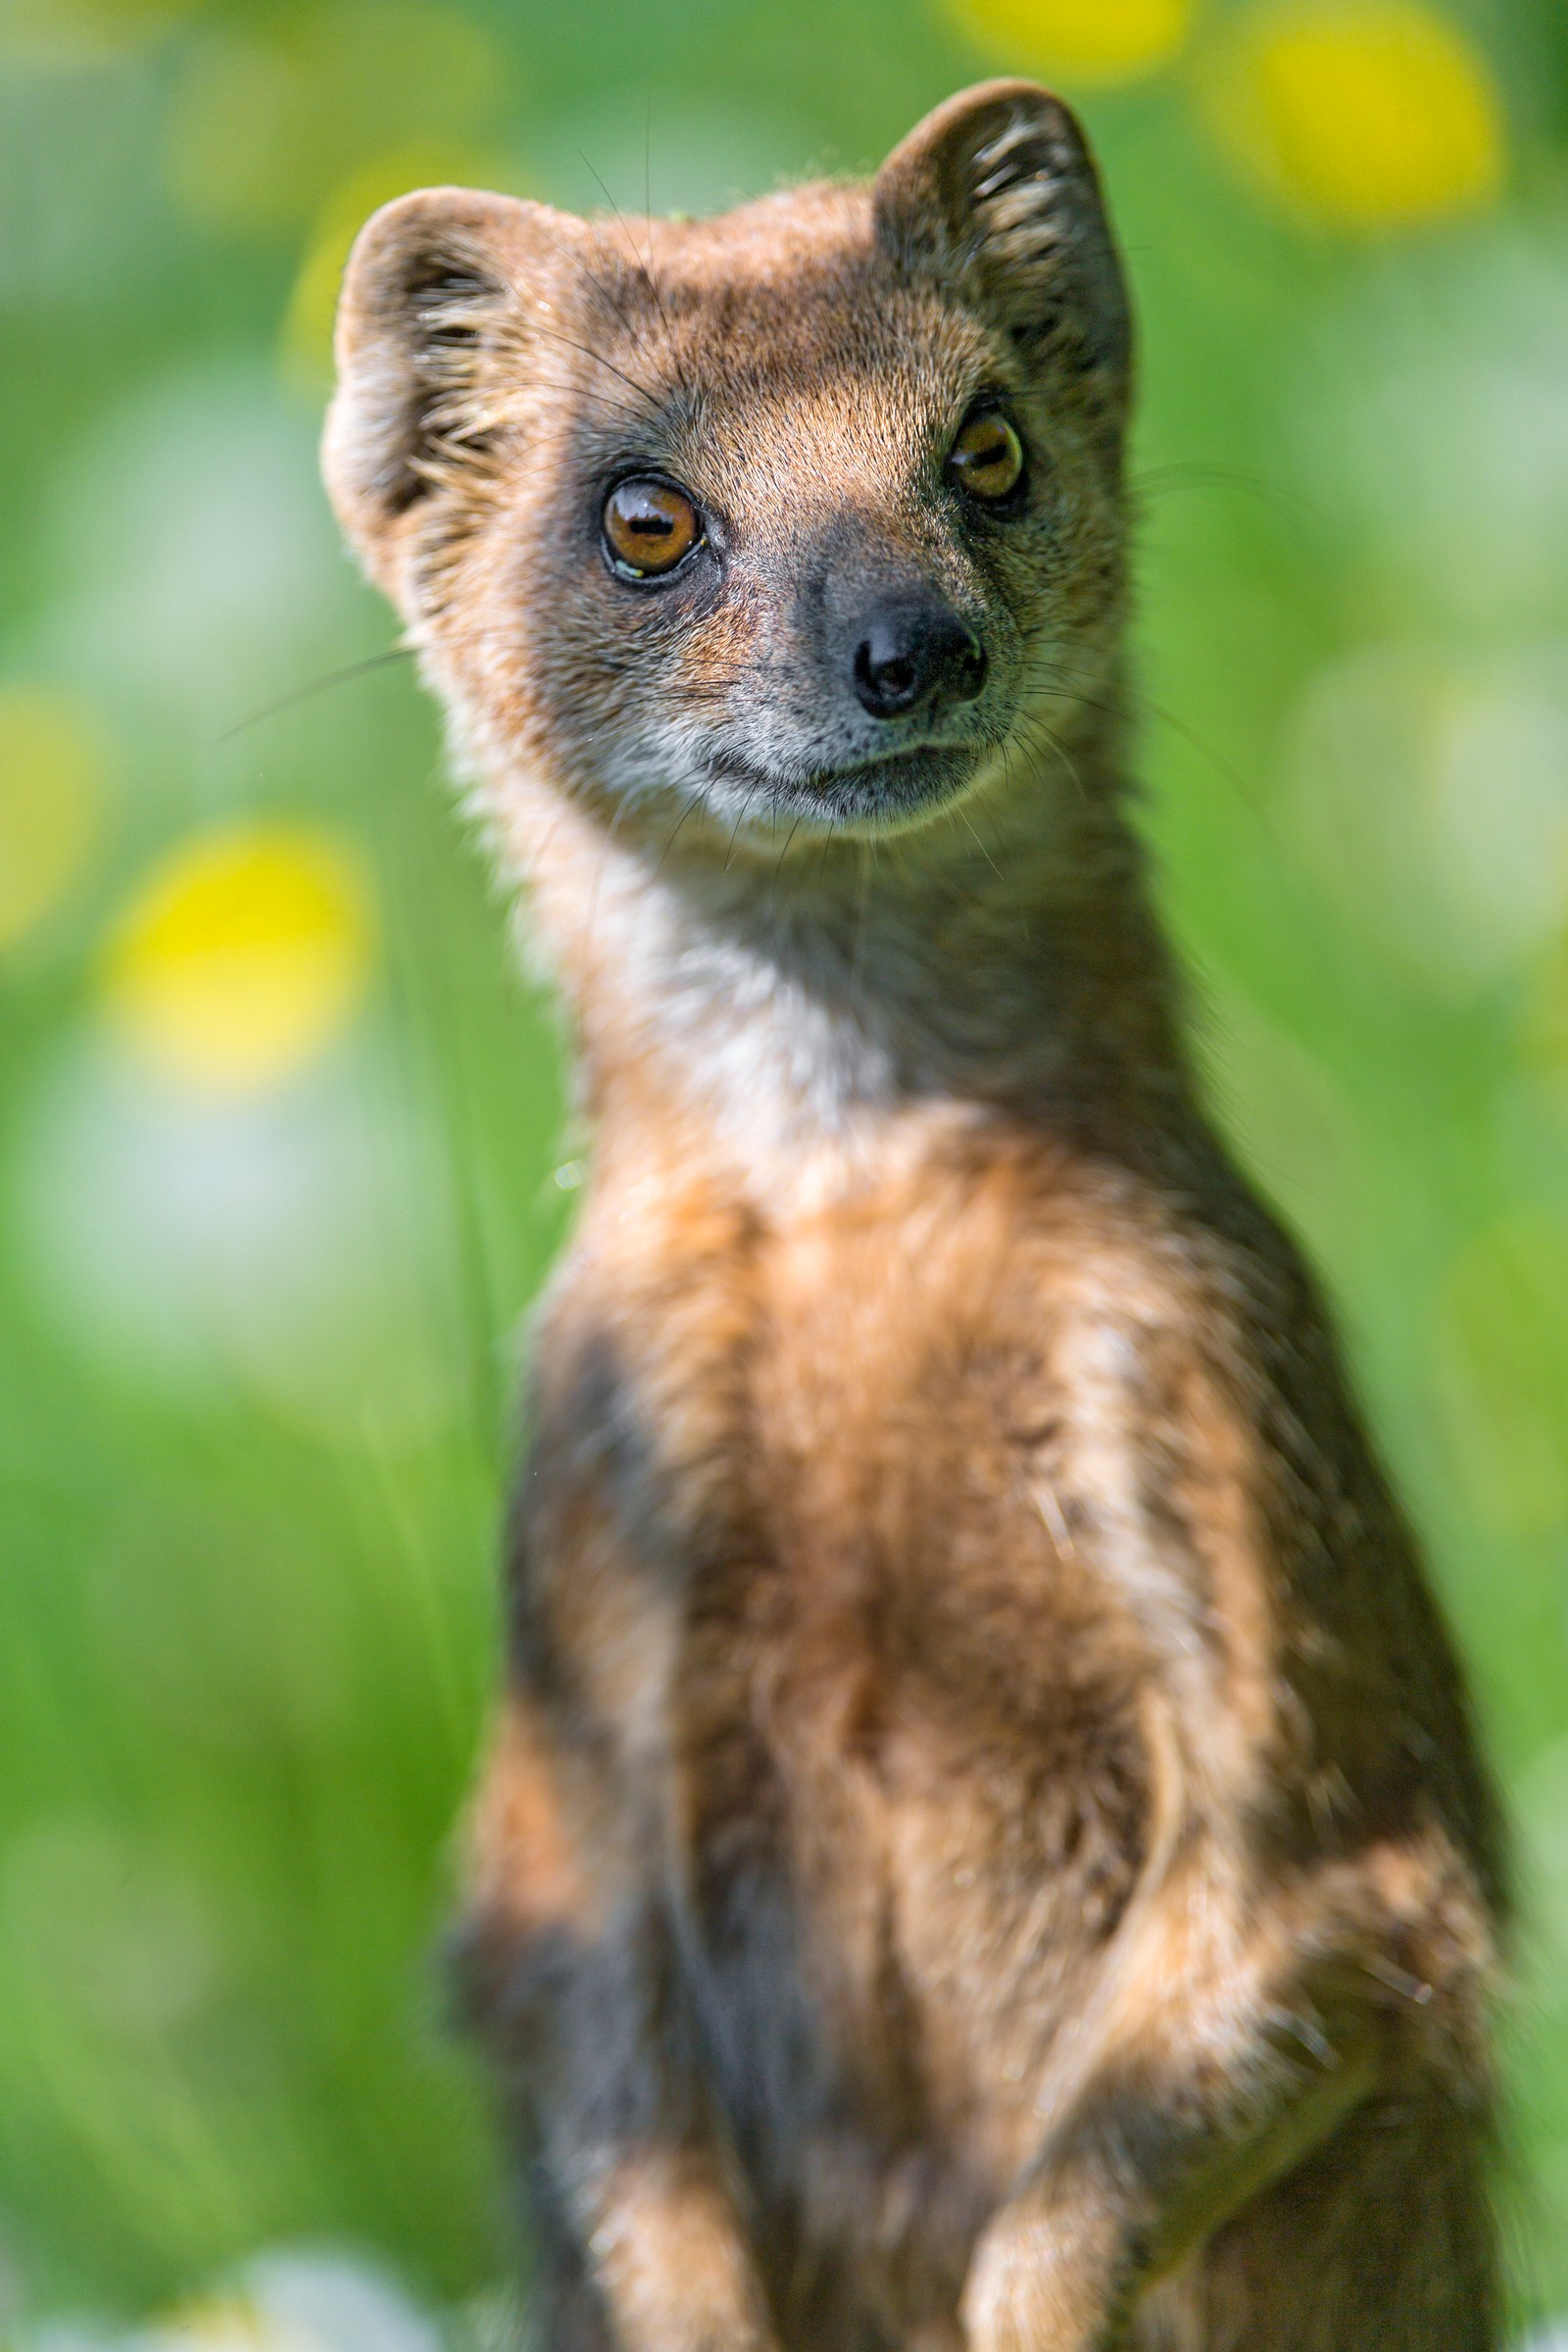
column 281, row 1129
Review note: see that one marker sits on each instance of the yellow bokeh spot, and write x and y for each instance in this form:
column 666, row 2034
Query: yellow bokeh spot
column 266, row 125
column 1082, row 40
column 306, row 337
column 53, row 767
column 219, row 2323
column 244, row 955
column 1366, row 115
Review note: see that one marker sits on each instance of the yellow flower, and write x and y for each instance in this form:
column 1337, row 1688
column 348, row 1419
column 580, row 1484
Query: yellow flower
column 53, row 770
column 1362, row 113
column 243, row 955
column 223, row 2324
column 1082, row 40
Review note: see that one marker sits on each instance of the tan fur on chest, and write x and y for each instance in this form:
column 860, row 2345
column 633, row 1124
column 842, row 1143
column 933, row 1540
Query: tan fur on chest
column 891, row 1661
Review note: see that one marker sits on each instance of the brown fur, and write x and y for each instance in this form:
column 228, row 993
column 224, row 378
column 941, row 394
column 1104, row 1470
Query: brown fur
column 986, row 1845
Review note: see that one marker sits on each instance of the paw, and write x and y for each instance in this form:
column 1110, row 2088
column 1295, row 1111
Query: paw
column 1044, row 2278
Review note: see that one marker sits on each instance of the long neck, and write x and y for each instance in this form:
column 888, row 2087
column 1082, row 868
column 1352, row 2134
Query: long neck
column 782, row 995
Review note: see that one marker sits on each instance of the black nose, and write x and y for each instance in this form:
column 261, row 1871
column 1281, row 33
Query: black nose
column 914, row 652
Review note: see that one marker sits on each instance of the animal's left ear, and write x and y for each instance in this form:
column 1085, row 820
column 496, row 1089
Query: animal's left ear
column 997, row 190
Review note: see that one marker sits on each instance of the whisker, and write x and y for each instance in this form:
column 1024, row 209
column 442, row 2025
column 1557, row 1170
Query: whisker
column 670, row 842
column 640, row 262
column 862, row 913
column 600, row 284
column 978, row 843
column 779, row 869
column 1035, row 725
column 1199, row 475
column 333, row 677
column 588, row 351
column 1143, row 705
column 745, row 811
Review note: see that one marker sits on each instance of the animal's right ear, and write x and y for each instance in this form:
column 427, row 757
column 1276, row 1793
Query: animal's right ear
column 436, row 293
column 997, row 191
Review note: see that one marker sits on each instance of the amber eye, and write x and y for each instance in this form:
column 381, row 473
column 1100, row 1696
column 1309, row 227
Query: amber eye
column 649, row 525
column 987, row 457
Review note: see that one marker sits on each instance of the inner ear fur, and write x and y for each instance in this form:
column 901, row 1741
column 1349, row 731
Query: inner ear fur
column 436, row 291
column 998, row 188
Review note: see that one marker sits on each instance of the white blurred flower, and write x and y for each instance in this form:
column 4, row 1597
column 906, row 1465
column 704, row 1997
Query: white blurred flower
column 1436, row 426
column 291, row 1242
column 77, row 2333
column 293, row 2300
column 1431, row 802
column 325, row 2301
column 199, row 562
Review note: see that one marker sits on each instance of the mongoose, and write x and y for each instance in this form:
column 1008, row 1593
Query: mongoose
column 986, row 1845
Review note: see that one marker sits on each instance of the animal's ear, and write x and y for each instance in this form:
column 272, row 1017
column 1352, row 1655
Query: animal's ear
column 998, row 188
column 437, row 290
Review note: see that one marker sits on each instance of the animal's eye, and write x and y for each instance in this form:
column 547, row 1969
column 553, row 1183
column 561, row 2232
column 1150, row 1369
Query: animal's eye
column 987, row 457
column 650, row 526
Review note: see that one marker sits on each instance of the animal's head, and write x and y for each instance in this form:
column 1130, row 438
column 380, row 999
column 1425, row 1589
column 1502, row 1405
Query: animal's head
column 803, row 512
